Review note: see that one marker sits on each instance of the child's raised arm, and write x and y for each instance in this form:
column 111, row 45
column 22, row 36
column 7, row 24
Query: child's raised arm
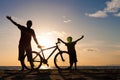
column 80, row 38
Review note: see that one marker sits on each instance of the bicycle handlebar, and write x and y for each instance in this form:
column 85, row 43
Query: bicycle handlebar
column 41, row 47
column 57, row 42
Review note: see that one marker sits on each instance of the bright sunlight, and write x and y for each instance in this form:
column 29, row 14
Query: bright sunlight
column 46, row 40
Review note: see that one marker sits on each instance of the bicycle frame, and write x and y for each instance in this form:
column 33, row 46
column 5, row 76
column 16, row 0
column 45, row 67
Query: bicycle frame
column 39, row 57
column 55, row 48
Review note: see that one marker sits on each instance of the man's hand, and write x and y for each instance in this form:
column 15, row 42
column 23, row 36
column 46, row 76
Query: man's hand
column 8, row 17
column 39, row 46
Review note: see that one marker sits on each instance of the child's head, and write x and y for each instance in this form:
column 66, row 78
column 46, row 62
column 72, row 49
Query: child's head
column 69, row 39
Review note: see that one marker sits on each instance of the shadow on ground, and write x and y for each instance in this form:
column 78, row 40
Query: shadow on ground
column 54, row 74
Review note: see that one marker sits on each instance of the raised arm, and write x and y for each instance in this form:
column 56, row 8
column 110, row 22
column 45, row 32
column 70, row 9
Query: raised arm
column 9, row 18
column 61, row 41
column 80, row 38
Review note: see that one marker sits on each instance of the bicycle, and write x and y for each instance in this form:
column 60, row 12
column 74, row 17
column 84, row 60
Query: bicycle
column 61, row 59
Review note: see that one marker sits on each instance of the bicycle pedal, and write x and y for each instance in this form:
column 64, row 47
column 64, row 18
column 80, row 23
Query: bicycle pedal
column 48, row 65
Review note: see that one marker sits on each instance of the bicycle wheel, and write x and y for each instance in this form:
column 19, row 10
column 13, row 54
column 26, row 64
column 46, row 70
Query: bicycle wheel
column 37, row 61
column 61, row 60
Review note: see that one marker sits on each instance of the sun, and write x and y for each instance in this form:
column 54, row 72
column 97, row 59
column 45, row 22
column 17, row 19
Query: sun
column 45, row 40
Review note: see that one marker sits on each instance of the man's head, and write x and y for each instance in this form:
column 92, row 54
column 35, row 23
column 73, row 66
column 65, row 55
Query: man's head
column 29, row 24
column 69, row 39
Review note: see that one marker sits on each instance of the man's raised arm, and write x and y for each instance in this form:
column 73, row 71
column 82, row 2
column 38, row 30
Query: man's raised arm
column 9, row 18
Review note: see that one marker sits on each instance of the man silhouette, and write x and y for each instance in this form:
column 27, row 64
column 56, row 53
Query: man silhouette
column 25, row 41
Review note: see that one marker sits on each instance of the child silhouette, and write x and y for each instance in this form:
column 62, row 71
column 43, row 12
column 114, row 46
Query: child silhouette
column 71, row 49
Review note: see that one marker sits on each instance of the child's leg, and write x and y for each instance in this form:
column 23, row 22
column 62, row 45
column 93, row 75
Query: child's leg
column 75, row 65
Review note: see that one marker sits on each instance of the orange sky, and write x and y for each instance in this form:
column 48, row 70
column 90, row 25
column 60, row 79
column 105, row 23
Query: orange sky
column 53, row 19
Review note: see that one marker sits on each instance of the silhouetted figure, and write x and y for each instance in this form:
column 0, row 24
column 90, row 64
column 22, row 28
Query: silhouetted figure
column 25, row 41
column 71, row 49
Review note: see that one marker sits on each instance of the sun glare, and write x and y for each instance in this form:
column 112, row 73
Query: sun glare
column 45, row 40
column 45, row 67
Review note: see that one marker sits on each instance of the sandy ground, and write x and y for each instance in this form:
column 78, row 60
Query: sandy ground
column 54, row 74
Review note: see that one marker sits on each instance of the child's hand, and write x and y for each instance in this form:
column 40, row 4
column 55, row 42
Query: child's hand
column 82, row 36
column 58, row 39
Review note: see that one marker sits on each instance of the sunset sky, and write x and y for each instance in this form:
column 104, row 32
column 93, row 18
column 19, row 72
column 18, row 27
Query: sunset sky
column 97, row 20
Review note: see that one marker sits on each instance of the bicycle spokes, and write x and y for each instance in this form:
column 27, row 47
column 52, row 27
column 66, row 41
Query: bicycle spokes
column 61, row 60
column 62, row 57
column 35, row 56
column 37, row 61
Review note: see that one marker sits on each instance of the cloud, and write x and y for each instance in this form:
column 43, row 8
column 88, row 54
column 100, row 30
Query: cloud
column 91, row 49
column 66, row 20
column 117, row 15
column 112, row 6
column 116, row 46
column 57, row 33
column 98, row 14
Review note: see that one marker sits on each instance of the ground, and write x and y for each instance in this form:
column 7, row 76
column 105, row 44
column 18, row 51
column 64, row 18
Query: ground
column 54, row 74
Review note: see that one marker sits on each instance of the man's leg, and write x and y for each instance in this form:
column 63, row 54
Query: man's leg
column 21, row 56
column 29, row 55
column 71, row 63
column 22, row 64
column 32, row 65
